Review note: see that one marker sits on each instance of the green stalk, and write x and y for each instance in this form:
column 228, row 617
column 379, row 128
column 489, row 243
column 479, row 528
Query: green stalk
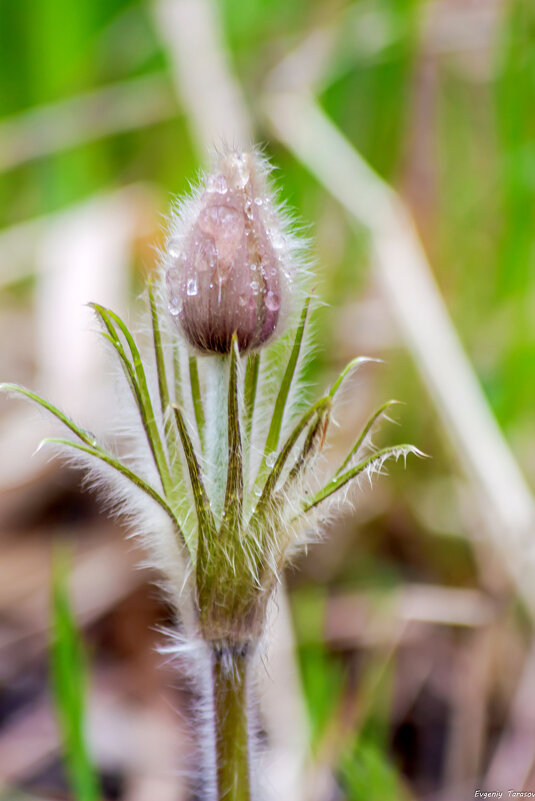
column 196, row 397
column 217, row 454
column 229, row 676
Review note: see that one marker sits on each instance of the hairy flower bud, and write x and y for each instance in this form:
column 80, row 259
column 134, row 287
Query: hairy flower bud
column 225, row 269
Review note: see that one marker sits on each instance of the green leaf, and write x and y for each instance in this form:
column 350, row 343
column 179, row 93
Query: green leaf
column 177, row 375
column 272, row 439
column 205, row 518
column 117, row 465
column 196, row 398
column 274, row 475
column 69, row 684
column 374, row 459
column 158, row 351
column 322, row 422
column 137, row 379
column 250, row 385
column 353, row 365
column 232, row 509
column 84, row 435
column 319, row 427
column 163, row 388
column 364, row 433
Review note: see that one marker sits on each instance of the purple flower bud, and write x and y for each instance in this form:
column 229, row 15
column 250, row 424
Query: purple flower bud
column 224, row 265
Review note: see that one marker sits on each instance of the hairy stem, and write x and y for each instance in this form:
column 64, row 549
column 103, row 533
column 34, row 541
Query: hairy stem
column 229, row 676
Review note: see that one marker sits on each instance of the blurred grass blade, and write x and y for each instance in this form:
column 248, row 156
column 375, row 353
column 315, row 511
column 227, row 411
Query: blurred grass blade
column 69, row 684
column 367, row 774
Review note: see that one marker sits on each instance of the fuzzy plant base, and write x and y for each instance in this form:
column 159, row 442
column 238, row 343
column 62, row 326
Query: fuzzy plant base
column 217, row 465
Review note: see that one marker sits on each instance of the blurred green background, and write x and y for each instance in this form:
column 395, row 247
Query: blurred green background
column 425, row 701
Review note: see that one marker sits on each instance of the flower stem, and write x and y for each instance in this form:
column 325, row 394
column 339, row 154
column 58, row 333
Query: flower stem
column 229, row 675
column 217, row 432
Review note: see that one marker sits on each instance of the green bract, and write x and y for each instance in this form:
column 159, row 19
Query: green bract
column 232, row 549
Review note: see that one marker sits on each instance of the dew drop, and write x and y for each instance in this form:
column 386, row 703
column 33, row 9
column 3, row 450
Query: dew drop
column 243, row 178
column 255, row 287
column 191, row 287
column 258, row 201
column 272, row 301
column 172, row 276
column 221, row 185
column 91, row 437
column 174, row 305
column 249, row 209
column 242, row 173
column 271, row 459
column 277, row 240
column 173, row 248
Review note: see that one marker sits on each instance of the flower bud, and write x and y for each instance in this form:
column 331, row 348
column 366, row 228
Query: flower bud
column 224, row 265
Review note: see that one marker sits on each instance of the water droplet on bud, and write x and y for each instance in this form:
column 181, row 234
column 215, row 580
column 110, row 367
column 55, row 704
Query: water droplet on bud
column 228, row 262
column 217, row 183
column 174, row 306
column 173, row 248
column 221, row 185
column 241, row 172
column 273, row 301
column 277, row 240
